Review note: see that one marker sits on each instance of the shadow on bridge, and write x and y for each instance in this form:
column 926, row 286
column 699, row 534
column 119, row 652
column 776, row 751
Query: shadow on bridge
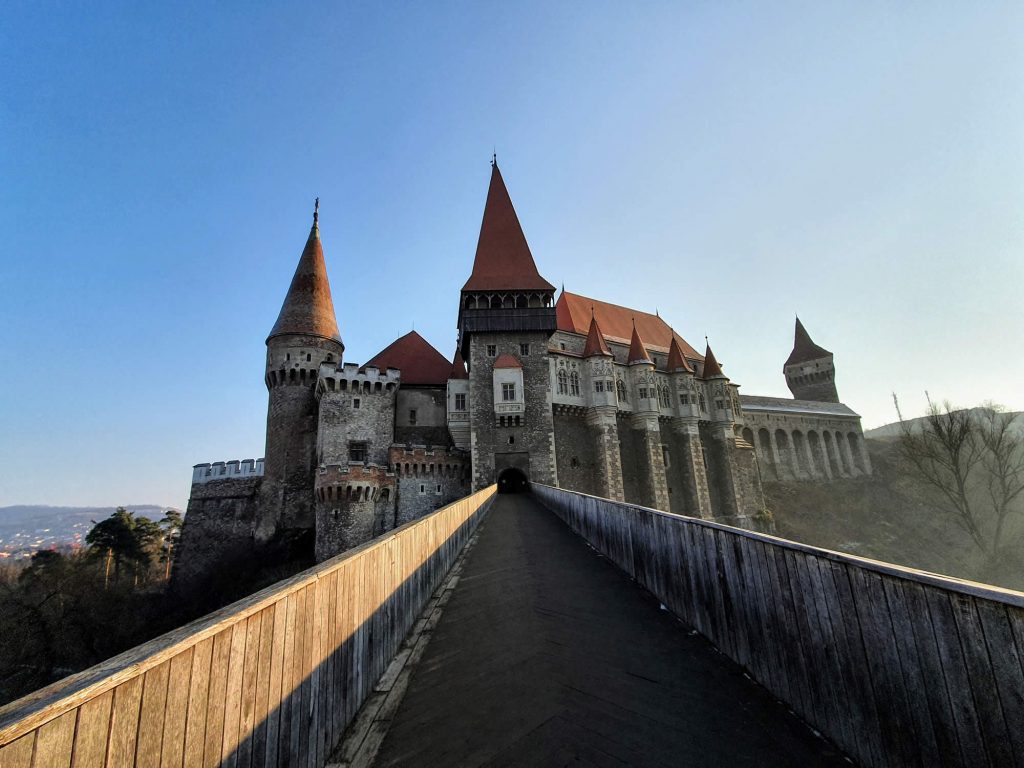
column 548, row 654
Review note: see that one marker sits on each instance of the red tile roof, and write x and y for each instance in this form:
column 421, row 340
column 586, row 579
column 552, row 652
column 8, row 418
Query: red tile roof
column 676, row 359
column 637, row 351
column 507, row 361
column 711, row 366
column 803, row 348
column 573, row 313
column 458, row 370
column 503, row 259
column 596, row 344
column 307, row 308
column 420, row 363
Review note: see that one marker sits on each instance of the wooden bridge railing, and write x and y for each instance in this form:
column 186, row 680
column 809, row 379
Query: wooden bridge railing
column 896, row 666
column 271, row 680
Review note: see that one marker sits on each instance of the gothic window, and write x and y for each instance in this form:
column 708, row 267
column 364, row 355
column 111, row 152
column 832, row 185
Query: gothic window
column 460, row 401
column 563, row 383
column 620, row 390
column 357, row 452
column 355, row 402
column 412, row 416
column 663, row 397
column 508, row 392
column 643, row 392
column 437, row 490
column 703, row 403
column 599, row 386
column 524, row 350
column 309, row 358
column 561, row 346
column 684, row 399
column 492, row 350
column 574, row 384
column 718, row 402
column 423, row 488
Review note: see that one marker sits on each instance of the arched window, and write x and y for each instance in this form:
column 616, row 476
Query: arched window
column 563, row 383
column 574, row 384
column 663, row 397
column 703, row 402
column 620, row 391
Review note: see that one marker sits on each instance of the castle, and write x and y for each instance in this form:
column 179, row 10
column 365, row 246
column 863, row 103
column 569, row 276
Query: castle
column 574, row 392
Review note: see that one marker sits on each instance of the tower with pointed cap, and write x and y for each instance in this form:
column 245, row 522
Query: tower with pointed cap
column 810, row 370
column 506, row 308
column 304, row 337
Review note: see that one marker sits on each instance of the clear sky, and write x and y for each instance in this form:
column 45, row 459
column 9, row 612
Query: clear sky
column 729, row 164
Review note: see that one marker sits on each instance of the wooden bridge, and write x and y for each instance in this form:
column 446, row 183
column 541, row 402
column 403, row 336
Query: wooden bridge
column 554, row 628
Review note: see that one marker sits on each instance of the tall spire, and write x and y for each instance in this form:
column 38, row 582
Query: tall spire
column 676, row 359
column 637, row 351
column 503, row 259
column 803, row 348
column 711, row 367
column 308, row 309
column 596, row 345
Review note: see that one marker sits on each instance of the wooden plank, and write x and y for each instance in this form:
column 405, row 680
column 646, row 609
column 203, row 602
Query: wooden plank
column 124, row 725
column 947, row 639
column 55, row 742
column 151, row 716
column 802, row 640
column 172, row 752
column 939, row 698
column 18, row 753
column 198, row 698
column 259, row 738
column 983, row 682
column 233, row 695
column 247, row 700
column 274, row 699
column 284, row 720
column 295, row 699
column 91, row 732
column 1008, row 668
column 311, row 645
column 788, row 636
column 216, row 703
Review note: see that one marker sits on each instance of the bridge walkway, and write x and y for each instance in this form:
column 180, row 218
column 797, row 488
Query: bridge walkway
column 547, row 654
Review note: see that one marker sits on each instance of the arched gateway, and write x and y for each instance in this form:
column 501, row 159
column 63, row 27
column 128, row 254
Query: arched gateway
column 513, row 480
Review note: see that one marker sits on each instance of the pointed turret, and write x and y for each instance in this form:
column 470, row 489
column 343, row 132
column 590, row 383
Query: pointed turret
column 637, row 351
column 308, row 309
column 596, row 345
column 676, row 359
column 712, row 369
column 458, row 367
column 803, row 348
column 503, row 259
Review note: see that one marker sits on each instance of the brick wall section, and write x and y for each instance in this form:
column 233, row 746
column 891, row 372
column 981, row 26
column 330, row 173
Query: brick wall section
column 490, row 444
column 429, row 468
column 686, row 476
column 220, row 524
column 577, row 453
column 605, row 432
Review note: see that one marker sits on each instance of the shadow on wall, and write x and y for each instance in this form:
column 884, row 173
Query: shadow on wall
column 513, row 481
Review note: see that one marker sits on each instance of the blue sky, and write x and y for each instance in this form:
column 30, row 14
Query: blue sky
column 729, row 164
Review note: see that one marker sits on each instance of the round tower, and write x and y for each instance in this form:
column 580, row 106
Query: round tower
column 810, row 371
column 304, row 337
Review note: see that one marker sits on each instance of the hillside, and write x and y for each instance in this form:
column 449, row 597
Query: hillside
column 25, row 529
column 883, row 517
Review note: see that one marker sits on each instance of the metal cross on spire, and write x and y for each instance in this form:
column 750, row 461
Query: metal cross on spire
column 316, row 210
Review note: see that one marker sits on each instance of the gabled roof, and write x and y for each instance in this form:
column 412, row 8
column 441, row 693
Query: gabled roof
column 596, row 344
column 507, row 361
column 503, row 259
column 420, row 363
column 711, row 367
column 573, row 313
column 676, row 359
column 458, row 370
column 637, row 351
column 803, row 348
column 308, row 309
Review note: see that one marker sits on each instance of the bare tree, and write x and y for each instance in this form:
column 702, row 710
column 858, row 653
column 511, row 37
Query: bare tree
column 973, row 461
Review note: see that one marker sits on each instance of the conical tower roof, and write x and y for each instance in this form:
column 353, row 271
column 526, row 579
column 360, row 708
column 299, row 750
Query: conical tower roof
column 420, row 363
column 711, row 367
column 676, row 359
column 458, row 366
column 596, row 345
column 503, row 259
column 803, row 348
column 308, row 309
column 637, row 351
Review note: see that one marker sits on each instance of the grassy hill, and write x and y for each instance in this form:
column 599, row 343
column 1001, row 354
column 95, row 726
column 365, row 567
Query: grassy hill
column 886, row 517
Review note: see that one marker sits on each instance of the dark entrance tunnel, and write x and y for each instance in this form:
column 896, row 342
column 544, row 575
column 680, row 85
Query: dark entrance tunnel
column 513, row 481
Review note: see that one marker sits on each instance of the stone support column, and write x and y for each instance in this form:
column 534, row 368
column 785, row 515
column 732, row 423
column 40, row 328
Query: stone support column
column 653, row 464
column 609, row 461
column 812, row 468
column 862, row 444
column 844, row 441
column 697, row 498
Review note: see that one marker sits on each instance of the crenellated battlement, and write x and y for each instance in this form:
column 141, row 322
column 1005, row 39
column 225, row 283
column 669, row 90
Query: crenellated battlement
column 421, row 461
column 351, row 378
column 354, row 482
column 226, row 470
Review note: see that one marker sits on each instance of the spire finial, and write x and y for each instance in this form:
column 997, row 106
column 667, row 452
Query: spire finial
column 494, row 158
column 316, row 211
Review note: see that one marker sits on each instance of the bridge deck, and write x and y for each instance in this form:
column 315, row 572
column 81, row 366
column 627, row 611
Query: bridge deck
column 549, row 655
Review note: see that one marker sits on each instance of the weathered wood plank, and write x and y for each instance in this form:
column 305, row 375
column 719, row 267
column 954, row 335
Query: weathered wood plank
column 151, row 716
column 55, row 742
column 198, row 697
column 18, row 753
column 233, row 695
column 1006, row 664
column 247, row 701
column 172, row 752
column 259, row 740
column 124, row 724
column 91, row 732
column 216, row 703
column 274, row 694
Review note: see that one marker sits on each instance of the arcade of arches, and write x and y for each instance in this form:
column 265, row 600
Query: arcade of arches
column 808, row 454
